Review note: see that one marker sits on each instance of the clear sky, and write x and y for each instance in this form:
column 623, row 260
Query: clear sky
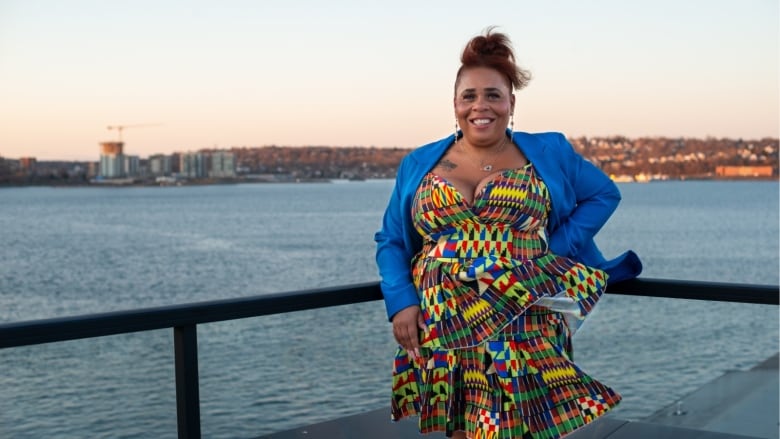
column 199, row 74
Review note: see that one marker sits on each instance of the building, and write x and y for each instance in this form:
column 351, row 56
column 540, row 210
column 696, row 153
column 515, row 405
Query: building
column 112, row 160
column 193, row 165
column 132, row 165
column 744, row 171
column 28, row 165
column 223, row 164
column 93, row 169
column 160, row 165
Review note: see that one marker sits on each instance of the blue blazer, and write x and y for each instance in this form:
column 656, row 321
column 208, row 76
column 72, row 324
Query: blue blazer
column 582, row 199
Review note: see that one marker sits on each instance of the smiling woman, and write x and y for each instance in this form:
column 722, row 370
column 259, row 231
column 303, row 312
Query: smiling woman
column 488, row 266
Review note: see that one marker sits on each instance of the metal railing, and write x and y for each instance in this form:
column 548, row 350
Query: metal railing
column 185, row 318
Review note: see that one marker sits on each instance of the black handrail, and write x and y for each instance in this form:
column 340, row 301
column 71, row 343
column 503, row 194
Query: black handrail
column 185, row 318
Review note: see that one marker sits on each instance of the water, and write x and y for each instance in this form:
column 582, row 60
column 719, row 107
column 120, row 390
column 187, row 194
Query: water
column 73, row 251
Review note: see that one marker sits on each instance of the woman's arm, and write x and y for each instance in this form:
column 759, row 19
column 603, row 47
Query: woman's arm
column 393, row 257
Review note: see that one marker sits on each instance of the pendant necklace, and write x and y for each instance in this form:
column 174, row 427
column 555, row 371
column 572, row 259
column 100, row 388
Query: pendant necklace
column 486, row 167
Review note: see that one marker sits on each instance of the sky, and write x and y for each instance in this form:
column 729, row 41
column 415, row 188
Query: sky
column 186, row 75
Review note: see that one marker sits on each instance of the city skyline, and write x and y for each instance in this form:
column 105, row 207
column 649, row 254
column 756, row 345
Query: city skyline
column 190, row 75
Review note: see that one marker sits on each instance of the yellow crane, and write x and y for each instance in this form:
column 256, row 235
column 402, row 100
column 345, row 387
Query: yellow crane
column 119, row 128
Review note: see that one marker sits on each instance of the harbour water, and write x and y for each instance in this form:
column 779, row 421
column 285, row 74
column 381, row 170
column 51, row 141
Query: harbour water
column 71, row 251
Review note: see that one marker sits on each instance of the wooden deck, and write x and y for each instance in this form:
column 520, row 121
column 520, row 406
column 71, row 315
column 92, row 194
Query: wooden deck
column 375, row 425
column 738, row 405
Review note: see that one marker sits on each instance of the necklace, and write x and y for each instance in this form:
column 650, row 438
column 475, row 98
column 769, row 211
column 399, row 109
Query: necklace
column 487, row 167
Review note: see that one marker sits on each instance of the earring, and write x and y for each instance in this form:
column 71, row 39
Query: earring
column 456, row 129
column 512, row 123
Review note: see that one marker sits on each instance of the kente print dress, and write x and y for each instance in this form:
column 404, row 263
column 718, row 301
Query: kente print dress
column 499, row 310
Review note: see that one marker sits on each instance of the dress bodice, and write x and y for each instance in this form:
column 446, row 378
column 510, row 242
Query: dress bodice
column 507, row 216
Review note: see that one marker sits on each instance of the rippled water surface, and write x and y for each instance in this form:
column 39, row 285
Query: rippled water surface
column 84, row 250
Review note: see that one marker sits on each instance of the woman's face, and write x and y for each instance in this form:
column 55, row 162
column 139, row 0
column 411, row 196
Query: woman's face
column 483, row 104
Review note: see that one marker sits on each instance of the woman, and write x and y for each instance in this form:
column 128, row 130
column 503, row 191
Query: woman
column 488, row 264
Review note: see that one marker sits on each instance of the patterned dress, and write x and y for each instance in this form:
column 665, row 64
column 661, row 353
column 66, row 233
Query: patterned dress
column 499, row 309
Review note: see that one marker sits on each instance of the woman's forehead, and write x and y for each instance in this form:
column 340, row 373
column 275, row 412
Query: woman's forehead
column 481, row 78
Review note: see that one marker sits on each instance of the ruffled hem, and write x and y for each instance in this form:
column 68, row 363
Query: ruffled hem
column 522, row 384
column 486, row 425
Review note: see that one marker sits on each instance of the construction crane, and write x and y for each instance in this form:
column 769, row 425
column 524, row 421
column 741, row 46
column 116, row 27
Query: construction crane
column 122, row 127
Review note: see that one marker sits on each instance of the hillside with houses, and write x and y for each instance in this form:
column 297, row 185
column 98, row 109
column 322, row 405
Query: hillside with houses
column 624, row 159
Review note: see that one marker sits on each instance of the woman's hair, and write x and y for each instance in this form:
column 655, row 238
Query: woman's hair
column 493, row 50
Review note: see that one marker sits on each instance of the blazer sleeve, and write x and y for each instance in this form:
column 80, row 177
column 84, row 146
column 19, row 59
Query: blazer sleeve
column 592, row 197
column 393, row 254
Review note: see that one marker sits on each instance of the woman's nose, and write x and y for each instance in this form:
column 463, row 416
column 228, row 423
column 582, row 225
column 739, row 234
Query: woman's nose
column 480, row 103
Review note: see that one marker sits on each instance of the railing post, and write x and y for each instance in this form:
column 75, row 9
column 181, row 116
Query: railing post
column 185, row 344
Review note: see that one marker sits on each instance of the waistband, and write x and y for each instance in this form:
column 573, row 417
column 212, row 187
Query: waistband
column 480, row 240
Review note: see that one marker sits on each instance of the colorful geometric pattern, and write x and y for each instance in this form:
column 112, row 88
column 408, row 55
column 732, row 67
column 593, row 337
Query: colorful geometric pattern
column 493, row 363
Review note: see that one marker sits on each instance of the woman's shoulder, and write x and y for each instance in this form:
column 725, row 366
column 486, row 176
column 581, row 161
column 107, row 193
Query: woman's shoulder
column 552, row 146
column 435, row 145
column 543, row 140
column 429, row 152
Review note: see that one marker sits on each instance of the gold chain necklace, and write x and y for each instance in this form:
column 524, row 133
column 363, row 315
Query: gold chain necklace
column 487, row 167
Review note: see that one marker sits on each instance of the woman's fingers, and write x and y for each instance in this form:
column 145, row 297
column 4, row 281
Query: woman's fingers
column 405, row 329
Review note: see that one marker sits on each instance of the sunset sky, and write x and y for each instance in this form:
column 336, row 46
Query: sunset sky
column 204, row 74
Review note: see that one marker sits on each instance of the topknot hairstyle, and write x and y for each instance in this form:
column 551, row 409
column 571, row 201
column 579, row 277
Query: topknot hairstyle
column 493, row 50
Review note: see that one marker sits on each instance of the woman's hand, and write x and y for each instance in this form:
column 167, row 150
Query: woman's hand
column 406, row 324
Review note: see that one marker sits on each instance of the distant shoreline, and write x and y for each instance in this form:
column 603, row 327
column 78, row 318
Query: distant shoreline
column 185, row 183
column 623, row 159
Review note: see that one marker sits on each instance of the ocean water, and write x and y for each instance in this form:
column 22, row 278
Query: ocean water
column 72, row 251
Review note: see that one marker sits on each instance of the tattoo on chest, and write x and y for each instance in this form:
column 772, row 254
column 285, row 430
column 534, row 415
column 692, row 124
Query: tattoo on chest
column 446, row 165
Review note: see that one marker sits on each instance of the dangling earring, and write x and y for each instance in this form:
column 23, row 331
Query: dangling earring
column 512, row 122
column 456, row 129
